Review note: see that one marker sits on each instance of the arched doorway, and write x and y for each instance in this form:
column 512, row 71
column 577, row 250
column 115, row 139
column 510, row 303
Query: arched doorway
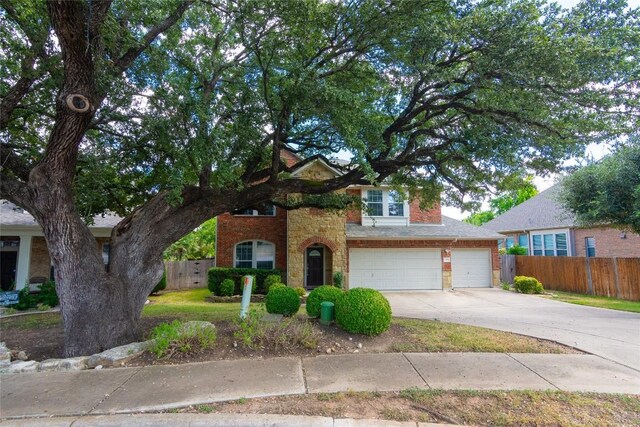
column 318, row 261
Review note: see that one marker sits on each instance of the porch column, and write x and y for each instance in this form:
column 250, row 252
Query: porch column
column 24, row 260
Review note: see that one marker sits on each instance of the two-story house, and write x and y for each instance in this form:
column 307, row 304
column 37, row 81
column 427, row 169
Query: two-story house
column 393, row 245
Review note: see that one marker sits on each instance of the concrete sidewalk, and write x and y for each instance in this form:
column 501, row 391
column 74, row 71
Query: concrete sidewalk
column 152, row 388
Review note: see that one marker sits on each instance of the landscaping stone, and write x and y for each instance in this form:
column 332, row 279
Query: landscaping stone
column 22, row 366
column 22, row 356
column 5, row 356
column 70, row 364
column 118, row 354
column 196, row 325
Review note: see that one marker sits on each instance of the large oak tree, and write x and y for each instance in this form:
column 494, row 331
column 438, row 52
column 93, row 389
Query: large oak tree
column 172, row 113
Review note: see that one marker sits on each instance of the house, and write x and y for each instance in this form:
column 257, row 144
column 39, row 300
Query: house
column 24, row 257
column 394, row 245
column 545, row 228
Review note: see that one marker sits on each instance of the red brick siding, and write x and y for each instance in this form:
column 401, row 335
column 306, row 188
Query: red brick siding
column 608, row 242
column 289, row 158
column 442, row 244
column 235, row 229
column 428, row 216
column 354, row 216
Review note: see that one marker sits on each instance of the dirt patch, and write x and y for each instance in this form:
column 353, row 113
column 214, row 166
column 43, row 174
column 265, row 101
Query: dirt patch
column 495, row 408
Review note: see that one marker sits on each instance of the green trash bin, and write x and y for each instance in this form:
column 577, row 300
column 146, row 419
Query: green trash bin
column 326, row 312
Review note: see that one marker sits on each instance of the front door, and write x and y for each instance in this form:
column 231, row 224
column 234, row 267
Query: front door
column 8, row 269
column 315, row 267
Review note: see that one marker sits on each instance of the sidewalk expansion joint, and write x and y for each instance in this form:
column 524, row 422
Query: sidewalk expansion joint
column 536, row 373
column 108, row 395
column 416, row 370
column 304, row 376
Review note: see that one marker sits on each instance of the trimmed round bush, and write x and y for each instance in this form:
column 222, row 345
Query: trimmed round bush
column 319, row 294
column 363, row 311
column 300, row 291
column 282, row 300
column 272, row 279
column 527, row 285
column 227, row 287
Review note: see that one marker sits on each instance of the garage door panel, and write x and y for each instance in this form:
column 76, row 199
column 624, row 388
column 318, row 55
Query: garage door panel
column 389, row 269
column 471, row 268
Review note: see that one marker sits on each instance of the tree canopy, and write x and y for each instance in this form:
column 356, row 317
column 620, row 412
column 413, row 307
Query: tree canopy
column 504, row 202
column 607, row 192
column 199, row 244
column 172, row 113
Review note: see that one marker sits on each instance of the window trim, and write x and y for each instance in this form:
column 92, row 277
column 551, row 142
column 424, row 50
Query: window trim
column 587, row 246
column 254, row 252
column 385, row 218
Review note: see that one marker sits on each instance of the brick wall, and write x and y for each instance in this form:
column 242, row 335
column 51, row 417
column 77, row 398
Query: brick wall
column 288, row 158
column 427, row 216
column 608, row 242
column 235, row 229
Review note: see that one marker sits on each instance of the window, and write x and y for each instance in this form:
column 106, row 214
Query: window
column 270, row 210
column 590, row 246
column 396, row 204
column 106, row 248
column 509, row 242
column 385, row 203
column 374, row 203
column 551, row 244
column 523, row 240
column 255, row 254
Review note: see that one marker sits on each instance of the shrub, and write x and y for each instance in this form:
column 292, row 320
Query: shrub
column 363, row 311
column 338, row 279
column 176, row 336
column 300, row 291
column 48, row 294
column 217, row 274
column 226, row 288
column 270, row 280
column 319, row 294
column 517, row 250
column 282, row 300
column 162, row 284
column 289, row 334
column 26, row 300
column 527, row 285
column 43, row 307
column 505, row 286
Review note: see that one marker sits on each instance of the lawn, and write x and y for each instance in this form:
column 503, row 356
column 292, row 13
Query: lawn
column 596, row 301
column 468, row 407
column 190, row 305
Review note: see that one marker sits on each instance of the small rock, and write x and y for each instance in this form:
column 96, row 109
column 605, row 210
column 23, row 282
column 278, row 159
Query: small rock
column 116, row 355
column 328, row 351
column 359, row 345
column 350, row 339
column 235, row 344
column 97, row 368
column 22, row 356
column 338, row 344
column 356, row 351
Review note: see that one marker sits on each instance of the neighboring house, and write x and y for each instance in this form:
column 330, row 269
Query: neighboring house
column 24, row 257
column 394, row 245
column 545, row 228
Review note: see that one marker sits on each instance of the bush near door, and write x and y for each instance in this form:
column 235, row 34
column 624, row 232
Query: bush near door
column 217, row 274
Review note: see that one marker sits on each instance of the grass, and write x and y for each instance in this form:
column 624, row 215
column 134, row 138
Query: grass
column 468, row 407
column 435, row 336
column 32, row 321
column 597, row 301
column 190, row 305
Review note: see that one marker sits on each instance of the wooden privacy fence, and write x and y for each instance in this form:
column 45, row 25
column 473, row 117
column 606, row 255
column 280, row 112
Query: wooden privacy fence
column 611, row 277
column 188, row 274
column 507, row 268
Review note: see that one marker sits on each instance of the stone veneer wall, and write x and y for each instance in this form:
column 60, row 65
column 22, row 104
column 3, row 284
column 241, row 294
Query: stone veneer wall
column 308, row 226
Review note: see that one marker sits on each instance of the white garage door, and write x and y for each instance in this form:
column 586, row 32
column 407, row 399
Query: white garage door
column 395, row 269
column 471, row 268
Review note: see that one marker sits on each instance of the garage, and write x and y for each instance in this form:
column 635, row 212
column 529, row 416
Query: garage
column 395, row 269
column 471, row 268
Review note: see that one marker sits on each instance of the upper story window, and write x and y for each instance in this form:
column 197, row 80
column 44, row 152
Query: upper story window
column 385, row 203
column 550, row 244
column 590, row 246
column 255, row 254
column 270, row 210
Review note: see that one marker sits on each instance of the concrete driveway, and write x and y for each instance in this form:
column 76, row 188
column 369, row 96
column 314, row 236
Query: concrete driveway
column 613, row 335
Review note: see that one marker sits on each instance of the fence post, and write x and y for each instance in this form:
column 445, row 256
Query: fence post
column 615, row 277
column 589, row 280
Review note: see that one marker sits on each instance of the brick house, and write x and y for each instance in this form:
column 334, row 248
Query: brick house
column 394, row 245
column 545, row 228
column 24, row 257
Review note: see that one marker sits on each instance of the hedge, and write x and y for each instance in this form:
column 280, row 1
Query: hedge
column 217, row 274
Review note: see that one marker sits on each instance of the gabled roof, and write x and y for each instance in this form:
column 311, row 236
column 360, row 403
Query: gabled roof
column 12, row 215
column 450, row 229
column 540, row 212
column 317, row 159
